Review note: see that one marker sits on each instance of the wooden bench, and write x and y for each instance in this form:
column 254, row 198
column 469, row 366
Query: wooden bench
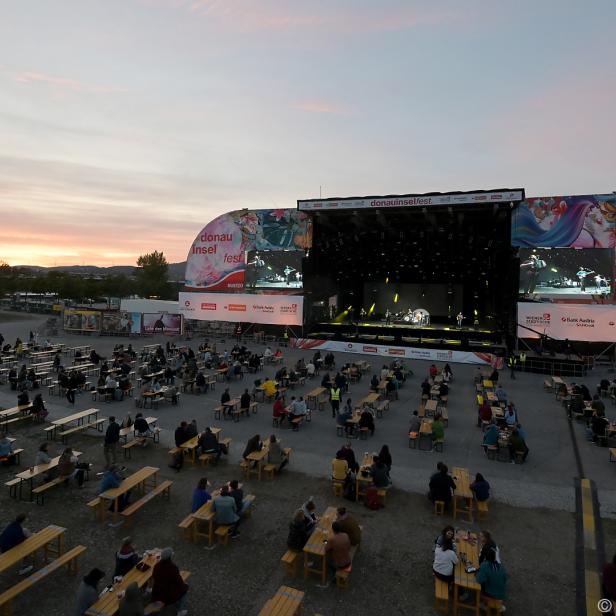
column 222, row 533
column 4, row 423
column 296, row 423
column 12, row 486
column 444, row 416
column 441, row 595
column 482, row 509
column 286, row 602
column 188, row 525
column 15, row 454
column 269, row 470
column 289, row 562
column 382, row 406
column 68, row 558
column 163, row 488
column 95, row 505
column 128, row 446
column 612, row 454
column 85, row 426
column 206, row 458
column 342, row 575
column 254, row 407
column 218, row 411
column 39, row 492
column 547, row 386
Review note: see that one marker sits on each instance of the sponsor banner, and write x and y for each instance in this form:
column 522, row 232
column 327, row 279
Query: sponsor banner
column 217, row 258
column 410, row 200
column 442, row 355
column 82, row 320
column 590, row 323
column 122, row 322
column 246, row 308
column 162, row 323
column 582, row 221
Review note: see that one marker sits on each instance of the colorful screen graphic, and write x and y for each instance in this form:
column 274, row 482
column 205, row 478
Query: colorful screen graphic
column 217, row 258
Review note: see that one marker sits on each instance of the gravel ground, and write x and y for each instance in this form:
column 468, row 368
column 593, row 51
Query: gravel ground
column 391, row 575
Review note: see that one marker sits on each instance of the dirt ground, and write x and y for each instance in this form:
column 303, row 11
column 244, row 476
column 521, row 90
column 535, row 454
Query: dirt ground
column 391, row 575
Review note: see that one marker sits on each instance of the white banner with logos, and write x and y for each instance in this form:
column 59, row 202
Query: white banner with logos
column 443, row 355
column 410, row 200
column 243, row 307
column 590, row 322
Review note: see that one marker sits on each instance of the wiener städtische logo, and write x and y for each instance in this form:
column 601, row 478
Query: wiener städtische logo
column 236, row 307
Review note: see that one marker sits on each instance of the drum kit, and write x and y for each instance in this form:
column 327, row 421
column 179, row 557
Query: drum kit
column 419, row 316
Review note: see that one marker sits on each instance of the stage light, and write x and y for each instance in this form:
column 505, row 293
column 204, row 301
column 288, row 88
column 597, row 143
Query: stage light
column 349, row 309
column 387, row 280
column 553, row 269
column 475, row 312
column 371, row 309
column 396, row 298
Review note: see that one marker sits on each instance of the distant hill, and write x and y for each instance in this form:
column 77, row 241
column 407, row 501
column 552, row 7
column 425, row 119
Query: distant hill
column 176, row 270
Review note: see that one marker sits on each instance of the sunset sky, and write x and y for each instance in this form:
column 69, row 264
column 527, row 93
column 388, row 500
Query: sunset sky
column 126, row 125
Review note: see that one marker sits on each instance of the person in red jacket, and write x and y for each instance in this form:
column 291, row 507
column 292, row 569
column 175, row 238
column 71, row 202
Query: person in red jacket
column 168, row 586
column 279, row 410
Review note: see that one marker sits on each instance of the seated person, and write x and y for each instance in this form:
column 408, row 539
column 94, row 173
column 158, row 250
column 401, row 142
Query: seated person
column 279, row 411
column 366, row 420
column 443, row 390
column 7, row 457
column 253, row 444
column 480, row 488
column 298, row 532
column 374, row 383
column 485, row 413
column 168, row 587
column 379, row 473
column 441, row 485
column 340, row 468
column 415, row 424
column 339, row 546
column 309, row 510
column 200, row 495
column 492, row 577
column 113, row 478
column 599, row 425
column 501, row 394
column 245, row 400
column 238, row 496
column 69, row 467
column 326, row 381
column 275, row 454
column 349, row 525
column 126, row 557
column 310, row 369
column 298, row 409
column 425, row 388
column 486, row 543
column 269, row 388
column 38, row 407
column 517, row 443
column 490, row 437
column 448, row 533
column 208, row 443
column 445, row 559
column 141, row 427
column 226, row 511
column 346, row 452
column 343, row 418
column 278, row 353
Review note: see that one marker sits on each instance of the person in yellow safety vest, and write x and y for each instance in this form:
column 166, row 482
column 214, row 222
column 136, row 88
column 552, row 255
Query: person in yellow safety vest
column 334, row 398
column 512, row 362
column 523, row 361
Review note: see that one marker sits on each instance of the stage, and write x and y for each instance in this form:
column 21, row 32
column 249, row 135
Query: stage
column 435, row 335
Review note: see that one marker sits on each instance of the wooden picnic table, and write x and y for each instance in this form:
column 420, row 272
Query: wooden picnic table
column 467, row 545
column 78, row 417
column 431, row 406
column 42, row 540
column 462, row 492
column 35, row 471
column 82, row 349
column 425, row 431
column 206, row 514
column 125, row 432
column 137, row 480
column 313, row 396
column 231, row 405
column 259, row 457
column 109, row 603
column 15, row 410
column 363, row 481
column 488, row 384
column 286, row 602
column 556, row 380
column 315, row 546
column 370, row 400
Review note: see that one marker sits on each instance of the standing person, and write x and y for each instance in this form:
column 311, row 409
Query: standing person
column 112, row 437
column 441, row 485
column 512, row 361
column 87, row 593
column 459, row 319
column 334, row 398
column 168, row 587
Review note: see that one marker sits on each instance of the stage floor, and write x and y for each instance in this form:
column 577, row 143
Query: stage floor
column 434, row 327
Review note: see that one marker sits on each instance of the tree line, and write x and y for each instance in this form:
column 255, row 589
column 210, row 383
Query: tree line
column 149, row 279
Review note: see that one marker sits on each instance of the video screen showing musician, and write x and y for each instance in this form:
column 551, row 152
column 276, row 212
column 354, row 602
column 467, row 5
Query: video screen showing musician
column 566, row 271
column 274, row 269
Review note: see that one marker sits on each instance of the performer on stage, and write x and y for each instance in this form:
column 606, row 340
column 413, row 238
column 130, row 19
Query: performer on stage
column 582, row 273
column 534, row 265
column 287, row 272
column 387, row 317
column 459, row 319
column 362, row 314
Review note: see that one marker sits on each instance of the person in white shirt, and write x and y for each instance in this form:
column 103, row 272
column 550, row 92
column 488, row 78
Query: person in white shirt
column 310, row 369
column 384, row 372
column 267, row 352
column 445, row 559
column 110, row 382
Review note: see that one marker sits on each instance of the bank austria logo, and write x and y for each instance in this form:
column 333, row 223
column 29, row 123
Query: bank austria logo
column 288, row 309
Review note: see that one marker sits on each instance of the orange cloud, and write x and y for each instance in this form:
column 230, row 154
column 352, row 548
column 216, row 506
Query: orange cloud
column 65, row 83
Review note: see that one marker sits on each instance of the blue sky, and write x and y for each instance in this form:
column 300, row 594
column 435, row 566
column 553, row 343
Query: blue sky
column 126, row 125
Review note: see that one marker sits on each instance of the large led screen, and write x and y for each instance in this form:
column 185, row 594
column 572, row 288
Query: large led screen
column 268, row 269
